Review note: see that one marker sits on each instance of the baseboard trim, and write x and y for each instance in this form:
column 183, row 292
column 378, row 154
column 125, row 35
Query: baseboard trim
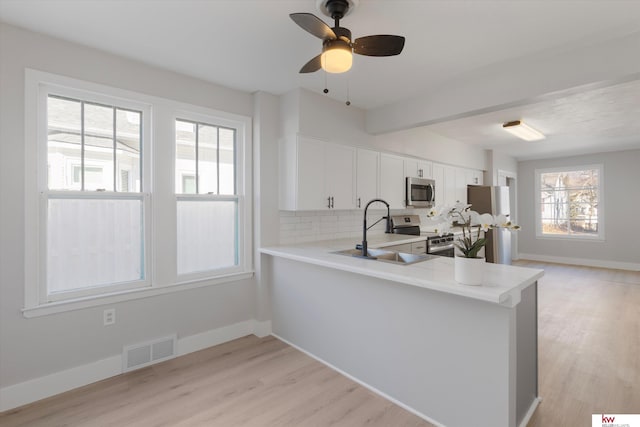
column 362, row 383
column 529, row 414
column 616, row 265
column 40, row 388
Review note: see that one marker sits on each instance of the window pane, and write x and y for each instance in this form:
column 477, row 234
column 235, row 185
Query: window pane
column 207, row 159
column 93, row 242
column 185, row 155
column 207, row 235
column 128, row 150
column 569, row 202
column 98, row 147
column 227, row 161
column 63, row 144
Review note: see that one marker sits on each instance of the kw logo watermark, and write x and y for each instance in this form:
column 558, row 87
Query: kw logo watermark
column 615, row 420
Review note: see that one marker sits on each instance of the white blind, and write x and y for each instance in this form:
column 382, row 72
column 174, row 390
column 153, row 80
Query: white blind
column 93, row 242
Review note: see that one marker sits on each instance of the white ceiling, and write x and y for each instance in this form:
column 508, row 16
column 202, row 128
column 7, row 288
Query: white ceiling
column 253, row 45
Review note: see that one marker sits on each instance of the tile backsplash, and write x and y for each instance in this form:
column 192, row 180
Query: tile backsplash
column 308, row 226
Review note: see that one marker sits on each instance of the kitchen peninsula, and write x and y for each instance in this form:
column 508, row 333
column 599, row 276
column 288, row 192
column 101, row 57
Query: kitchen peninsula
column 456, row 355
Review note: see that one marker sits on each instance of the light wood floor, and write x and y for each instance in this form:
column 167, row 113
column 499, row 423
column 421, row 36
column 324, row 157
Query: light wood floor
column 589, row 344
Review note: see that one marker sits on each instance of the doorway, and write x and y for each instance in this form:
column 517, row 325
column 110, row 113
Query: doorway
column 508, row 179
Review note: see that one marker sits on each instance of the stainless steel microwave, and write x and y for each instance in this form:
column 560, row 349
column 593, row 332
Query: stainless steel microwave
column 420, row 192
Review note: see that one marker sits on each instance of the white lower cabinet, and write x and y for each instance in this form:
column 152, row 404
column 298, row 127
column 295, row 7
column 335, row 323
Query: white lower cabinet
column 409, row 248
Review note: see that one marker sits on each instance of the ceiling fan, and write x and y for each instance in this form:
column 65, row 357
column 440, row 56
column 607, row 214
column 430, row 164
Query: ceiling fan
column 337, row 45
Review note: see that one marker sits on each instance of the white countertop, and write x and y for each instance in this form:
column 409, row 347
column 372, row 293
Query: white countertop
column 502, row 283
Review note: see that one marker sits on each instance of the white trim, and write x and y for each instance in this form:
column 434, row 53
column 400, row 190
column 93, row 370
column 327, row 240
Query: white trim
column 157, row 114
column 362, row 383
column 262, row 328
column 601, row 207
column 602, row 263
column 530, row 412
column 128, row 295
column 39, row 388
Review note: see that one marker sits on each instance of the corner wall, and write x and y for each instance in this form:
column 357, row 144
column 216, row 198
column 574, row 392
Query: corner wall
column 35, row 348
column 621, row 205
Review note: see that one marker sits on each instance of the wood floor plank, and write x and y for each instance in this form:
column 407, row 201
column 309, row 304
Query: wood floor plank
column 589, row 342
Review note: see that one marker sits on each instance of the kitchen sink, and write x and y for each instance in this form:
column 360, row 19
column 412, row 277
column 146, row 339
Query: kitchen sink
column 383, row 255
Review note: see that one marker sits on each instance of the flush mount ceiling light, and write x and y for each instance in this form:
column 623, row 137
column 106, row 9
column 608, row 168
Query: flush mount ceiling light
column 521, row 130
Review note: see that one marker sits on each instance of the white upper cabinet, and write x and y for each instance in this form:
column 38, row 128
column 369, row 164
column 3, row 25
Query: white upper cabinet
column 367, row 176
column 340, row 175
column 316, row 175
column 392, row 180
column 319, row 175
column 416, row 168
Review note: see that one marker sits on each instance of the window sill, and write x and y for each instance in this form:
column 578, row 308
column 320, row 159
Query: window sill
column 133, row 294
column 570, row 238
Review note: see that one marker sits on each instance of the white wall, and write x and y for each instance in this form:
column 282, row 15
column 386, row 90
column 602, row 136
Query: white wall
column 32, row 348
column 498, row 161
column 423, row 143
column 621, row 205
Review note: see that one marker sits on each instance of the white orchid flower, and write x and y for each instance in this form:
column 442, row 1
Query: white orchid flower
column 443, row 228
column 461, row 206
column 486, row 221
column 502, row 221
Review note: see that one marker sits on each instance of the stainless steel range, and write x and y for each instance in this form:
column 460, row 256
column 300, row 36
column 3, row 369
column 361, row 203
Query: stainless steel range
column 410, row 225
column 441, row 245
column 405, row 224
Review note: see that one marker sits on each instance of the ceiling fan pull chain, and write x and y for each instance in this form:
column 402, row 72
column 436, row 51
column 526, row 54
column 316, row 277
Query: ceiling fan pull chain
column 325, row 83
column 348, row 101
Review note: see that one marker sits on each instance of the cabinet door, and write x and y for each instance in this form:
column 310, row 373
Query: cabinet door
column 474, row 177
column 419, row 247
column 392, row 182
column 367, row 176
column 450, row 194
column 339, row 175
column 411, row 168
column 425, row 169
column 461, row 185
column 311, row 194
column 438, row 177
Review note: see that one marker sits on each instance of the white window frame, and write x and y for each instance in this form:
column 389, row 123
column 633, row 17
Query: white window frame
column 243, row 185
column 159, row 193
column 601, row 206
column 40, row 296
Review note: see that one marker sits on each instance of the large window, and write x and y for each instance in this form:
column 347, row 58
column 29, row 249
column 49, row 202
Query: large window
column 94, row 216
column 569, row 202
column 114, row 210
column 207, row 201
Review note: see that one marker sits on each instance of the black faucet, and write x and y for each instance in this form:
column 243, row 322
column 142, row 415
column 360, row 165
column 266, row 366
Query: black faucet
column 364, row 224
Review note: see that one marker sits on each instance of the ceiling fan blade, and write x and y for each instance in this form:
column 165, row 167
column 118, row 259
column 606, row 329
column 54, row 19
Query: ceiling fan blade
column 380, row 45
column 314, row 25
column 314, row 65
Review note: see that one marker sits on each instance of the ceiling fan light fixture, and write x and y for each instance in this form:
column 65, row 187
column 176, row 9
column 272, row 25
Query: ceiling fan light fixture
column 523, row 131
column 336, row 56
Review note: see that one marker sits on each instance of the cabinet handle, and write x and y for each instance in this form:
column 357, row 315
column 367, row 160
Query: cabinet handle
column 359, row 202
column 420, row 173
column 329, row 202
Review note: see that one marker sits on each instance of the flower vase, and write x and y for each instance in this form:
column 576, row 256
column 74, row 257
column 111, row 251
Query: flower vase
column 469, row 271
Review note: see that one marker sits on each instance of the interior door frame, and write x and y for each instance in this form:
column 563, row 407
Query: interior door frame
column 510, row 179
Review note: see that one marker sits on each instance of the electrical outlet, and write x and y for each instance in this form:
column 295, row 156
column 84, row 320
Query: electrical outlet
column 109, row 316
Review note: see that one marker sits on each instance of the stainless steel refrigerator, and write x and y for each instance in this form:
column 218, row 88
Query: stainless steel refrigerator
column 493, row 200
